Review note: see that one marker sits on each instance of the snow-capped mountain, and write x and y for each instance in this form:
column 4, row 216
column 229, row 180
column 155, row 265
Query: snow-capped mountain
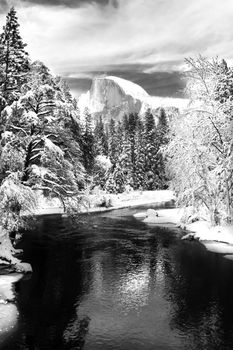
column 111, row 96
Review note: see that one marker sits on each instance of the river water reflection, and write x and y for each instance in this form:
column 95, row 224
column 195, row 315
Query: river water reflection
column 114, row 283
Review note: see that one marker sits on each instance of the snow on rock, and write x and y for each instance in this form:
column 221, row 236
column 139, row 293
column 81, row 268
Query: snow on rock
column 129, row 88
column 161, row 217
column 114, row 97
column 24, row 267
column 164, row 217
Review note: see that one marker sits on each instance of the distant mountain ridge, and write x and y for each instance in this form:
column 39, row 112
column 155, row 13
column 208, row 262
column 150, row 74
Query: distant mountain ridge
column 113, row 97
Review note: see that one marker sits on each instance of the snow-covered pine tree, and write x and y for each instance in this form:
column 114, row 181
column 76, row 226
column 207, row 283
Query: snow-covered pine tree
column 139, row 181
column 101, row 170
column 88, row 143
column 101, row 144
column 112, row 142
column 14, row 60
column 38, row 152
column 161, row 139
column 150, row 150
column 122, row 174
column 133, row 122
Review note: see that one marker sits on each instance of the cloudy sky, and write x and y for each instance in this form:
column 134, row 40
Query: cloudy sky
column 145, row 41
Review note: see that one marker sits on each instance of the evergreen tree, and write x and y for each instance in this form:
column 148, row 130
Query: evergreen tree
column 131, row 132
column 122, row 174
column 14, row 59
column 150, row 150
column 101, row 144
column 88, row 143
column 139, row 181
column 112, row 142
column 38, row 152
column 161, row 140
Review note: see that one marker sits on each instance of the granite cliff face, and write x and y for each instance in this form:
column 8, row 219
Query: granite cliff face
column 112, row 97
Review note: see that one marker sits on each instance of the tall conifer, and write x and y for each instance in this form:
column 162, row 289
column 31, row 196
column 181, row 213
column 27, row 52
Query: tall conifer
column 14, row 60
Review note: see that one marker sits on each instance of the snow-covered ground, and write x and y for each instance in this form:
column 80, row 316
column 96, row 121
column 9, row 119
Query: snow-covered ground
column 135, row 198
column 115, row 201
column 217, row 239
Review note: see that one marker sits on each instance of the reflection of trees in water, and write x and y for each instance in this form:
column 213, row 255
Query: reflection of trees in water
column 56, row 286
column 199, row 286
column 74, row 335
column 128, row 265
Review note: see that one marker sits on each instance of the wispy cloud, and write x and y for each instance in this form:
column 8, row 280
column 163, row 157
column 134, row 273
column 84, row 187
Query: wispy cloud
column 73, row 36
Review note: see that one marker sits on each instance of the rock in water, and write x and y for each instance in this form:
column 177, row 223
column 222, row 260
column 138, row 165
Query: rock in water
column 152, row 213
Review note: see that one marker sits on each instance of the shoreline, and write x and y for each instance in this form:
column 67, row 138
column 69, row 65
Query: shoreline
column 117, row 201
column 217, row 239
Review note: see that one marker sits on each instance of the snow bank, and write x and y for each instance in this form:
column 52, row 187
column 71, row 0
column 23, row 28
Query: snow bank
column 217, row 239
column 48, row 206
column 8, row 311
column 132, row 199
column 6, row 286
column 203, row 231
column 219, row 247
column 161, row 217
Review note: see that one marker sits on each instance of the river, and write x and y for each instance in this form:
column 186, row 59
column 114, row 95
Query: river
column 113, row 283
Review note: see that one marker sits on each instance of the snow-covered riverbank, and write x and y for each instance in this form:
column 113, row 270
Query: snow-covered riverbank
column 213, row 238
column 103, row 202
column 218, row 239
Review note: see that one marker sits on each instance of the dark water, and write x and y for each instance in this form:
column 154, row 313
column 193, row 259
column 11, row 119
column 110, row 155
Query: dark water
column 114, row 283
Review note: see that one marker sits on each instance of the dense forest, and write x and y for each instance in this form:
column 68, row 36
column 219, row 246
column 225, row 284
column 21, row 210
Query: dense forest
column 47, row 147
